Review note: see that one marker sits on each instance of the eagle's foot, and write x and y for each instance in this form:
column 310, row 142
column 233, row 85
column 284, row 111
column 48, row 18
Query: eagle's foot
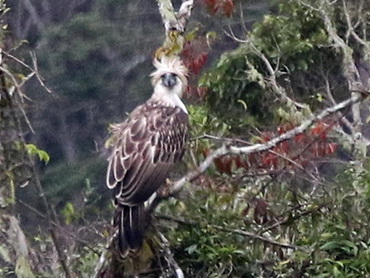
column 165, row 190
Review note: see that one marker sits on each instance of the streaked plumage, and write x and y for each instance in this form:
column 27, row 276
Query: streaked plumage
column 144, row 148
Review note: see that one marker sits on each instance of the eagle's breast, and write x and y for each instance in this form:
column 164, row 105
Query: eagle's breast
column 145, row 147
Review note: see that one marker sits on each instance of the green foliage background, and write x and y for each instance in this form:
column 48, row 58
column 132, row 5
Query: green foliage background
column 330, row 226
column 97, row 59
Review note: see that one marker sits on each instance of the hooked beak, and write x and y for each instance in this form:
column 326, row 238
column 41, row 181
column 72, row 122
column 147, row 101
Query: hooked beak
column 169, row 79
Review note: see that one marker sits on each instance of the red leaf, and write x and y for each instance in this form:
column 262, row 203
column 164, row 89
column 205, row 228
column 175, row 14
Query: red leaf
column 202, row 91
column 281, row 130
column 228, row 8
column 260, row 214
column 300, row 138
column 219, row 7
column 265, row 137
column 269, row 161
column 195, row 54
column 321, row 130
column 331, row 148
column 284, row 147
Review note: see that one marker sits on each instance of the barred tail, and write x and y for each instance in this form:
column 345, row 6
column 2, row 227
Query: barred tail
column 131, row 226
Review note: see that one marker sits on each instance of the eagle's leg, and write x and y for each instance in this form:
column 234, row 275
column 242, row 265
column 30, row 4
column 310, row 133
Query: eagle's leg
column 165, row 190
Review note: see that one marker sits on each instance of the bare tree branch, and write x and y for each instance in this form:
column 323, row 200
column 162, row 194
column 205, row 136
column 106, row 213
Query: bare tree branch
column 351, row 28
column 289, row 218
column 175, row 21
column 83, row 242
column 33, row 14
column 165, row 245
column 103, row 261
column 34, row 70
column 174, row 24
column 246, row 150
column 350, row 70
column 255, row 236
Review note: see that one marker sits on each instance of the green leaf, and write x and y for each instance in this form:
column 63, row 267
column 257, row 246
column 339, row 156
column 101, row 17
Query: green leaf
column 336, row 272
column 192, row 248
column 330, row 245
column 243, row 103
column 4, row 254
column 68, row 213
column 23, row 269
column 34, row 150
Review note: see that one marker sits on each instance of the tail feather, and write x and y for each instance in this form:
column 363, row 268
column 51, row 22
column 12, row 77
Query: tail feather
column 131, row 226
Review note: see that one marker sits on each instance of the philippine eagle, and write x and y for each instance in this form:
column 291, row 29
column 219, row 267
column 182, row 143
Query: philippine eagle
column 144, row 148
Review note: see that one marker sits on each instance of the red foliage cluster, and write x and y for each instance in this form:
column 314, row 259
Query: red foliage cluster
column 258, row 209
column 299, row 150
column 219, row 7
column 197, row 93
column 227, row 163
column 195, row 54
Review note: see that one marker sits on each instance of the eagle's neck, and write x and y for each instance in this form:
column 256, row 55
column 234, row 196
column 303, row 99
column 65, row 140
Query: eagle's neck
column 168, row 98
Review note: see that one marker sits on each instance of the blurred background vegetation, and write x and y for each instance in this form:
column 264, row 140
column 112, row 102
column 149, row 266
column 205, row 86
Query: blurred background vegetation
column 95, row 56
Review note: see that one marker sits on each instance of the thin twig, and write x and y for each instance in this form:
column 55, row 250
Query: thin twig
column 21, row 95
column 39, row 213
column 230, row 230
column 351, row 28
column 34, row 71
column 61, row 255
column 290, row 218
column 103, row 257
column 255, row 236
column 222, row 139
column 165, row 245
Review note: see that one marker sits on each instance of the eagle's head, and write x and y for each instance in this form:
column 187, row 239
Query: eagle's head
column 170, row 76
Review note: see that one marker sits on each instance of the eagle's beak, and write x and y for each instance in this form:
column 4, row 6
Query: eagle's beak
column 169, row 79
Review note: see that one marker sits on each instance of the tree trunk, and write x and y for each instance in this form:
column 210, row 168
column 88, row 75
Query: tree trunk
column 14, row 171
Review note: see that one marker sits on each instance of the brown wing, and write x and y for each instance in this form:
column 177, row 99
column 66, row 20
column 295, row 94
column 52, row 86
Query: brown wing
column 144, row 149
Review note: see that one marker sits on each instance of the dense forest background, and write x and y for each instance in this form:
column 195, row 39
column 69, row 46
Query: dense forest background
column 298, row 207
column 95, row 56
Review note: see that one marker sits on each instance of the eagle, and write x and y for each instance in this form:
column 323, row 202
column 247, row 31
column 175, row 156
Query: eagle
column 144, row 148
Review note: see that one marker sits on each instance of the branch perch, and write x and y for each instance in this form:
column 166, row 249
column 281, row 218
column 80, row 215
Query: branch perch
column 246, row 150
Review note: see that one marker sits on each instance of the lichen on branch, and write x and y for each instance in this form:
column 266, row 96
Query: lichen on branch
column 174, row 25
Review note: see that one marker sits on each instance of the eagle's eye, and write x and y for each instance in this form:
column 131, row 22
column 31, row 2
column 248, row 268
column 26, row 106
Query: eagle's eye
column 169, row 79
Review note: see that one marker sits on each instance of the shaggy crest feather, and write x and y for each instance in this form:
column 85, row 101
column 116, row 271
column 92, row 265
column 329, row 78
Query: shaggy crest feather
column 172, row 65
